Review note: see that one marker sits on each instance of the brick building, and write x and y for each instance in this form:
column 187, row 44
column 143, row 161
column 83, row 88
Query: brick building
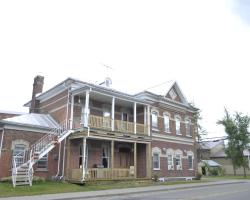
column 83, row 132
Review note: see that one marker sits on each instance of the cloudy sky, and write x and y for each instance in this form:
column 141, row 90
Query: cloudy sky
column 203, row 44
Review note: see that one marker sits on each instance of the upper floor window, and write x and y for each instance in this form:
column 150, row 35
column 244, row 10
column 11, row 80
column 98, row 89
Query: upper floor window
column 178, row 162
column 188, row 127
column 166, row 123
column 178, row 125
column 154, row 120
column 156, row 161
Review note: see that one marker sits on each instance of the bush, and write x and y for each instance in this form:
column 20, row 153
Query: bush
column 198, row 176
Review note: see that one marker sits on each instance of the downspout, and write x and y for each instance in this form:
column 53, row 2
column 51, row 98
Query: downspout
column 1, row 145
column 67, row 126
column 59, row 158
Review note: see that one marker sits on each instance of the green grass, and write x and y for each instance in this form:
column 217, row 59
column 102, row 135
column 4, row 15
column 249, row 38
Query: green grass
column 48, row 187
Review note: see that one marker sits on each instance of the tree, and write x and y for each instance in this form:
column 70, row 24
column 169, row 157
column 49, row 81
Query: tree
column 200, row 131
column 236, row 127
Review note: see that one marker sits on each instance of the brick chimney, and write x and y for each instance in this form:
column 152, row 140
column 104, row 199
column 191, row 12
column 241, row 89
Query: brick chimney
column 37, row 88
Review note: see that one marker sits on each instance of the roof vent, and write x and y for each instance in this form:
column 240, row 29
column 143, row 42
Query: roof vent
column 107, row 82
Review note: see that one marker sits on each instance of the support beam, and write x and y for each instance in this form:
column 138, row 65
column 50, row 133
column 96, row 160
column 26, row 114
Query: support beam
column 1, row 144
column 148, row 121
column 113, row 114
column 86, row 110
column 112, row 153
column 72, row 112
column 135, row 160
column 134, row 117
column 149, row 160
column 83, row 158
column 68, row 159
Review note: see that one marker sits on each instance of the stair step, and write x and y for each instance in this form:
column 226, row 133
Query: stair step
column 22, row 183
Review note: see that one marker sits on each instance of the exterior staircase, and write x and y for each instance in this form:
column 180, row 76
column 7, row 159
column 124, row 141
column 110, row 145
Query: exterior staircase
column 22, row 163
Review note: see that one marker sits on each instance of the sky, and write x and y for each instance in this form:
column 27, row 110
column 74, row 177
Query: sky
column 202, row 44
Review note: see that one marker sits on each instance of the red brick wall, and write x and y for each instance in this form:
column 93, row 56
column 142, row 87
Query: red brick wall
column 185, row 172
column 31, row 137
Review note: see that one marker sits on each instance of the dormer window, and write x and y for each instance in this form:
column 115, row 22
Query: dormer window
column 172, row 94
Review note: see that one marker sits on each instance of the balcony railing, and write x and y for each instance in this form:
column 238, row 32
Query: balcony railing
column 106, row 123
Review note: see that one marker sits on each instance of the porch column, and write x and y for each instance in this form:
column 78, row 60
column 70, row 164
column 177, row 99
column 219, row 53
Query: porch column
column 72, row 112
column 149, row 160
column 86, row 110
column 113, row 115
column 134, row 117
column 68, row 159
column 112, row 153
column 148, row 121
column 145, row 120
column 83, row 158
column 135, row 160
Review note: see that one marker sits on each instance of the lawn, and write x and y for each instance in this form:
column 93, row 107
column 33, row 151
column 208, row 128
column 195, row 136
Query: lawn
column 49, row 187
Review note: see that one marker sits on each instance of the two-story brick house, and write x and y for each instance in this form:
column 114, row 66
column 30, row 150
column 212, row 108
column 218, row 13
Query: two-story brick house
column 83, row 132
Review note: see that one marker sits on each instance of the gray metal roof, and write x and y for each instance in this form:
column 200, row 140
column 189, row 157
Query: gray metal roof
column 211, row 163
column 33, row 119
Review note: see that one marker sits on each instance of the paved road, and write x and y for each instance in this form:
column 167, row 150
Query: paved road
column 239, row 191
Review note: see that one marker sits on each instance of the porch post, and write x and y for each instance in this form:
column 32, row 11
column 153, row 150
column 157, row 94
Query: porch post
column 68, row 159
column 113, row 115
column 112, row 153
column 148, row 121
column 86, row 111
column 134, row 117
column 149, row 160
column 83, row 158
column 145, row 120
column 135, row 160
column 72, row 112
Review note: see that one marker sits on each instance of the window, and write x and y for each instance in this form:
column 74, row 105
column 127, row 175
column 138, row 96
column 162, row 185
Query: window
column 188, row 127
column 178, row 162
column 172, row 94
column 156, row 161
column 42, row 164
column 166, row 123
column 105, row 156
column 154, row 120
column 178, row 125
column 190, row 162
column 170, row 162
column 106, row 119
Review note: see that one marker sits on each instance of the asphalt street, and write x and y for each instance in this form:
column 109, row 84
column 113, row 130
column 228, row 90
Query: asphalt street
column 239, row 191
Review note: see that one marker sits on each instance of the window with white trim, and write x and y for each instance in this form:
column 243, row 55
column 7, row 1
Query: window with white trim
column 42, row 164
column 154, row 120
column 178, row 163
column 178, row 125
column 156, row 161
column 188, row 127
column 170, row 162
column 19, row 150
column 190, row 162
column 166, row 123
